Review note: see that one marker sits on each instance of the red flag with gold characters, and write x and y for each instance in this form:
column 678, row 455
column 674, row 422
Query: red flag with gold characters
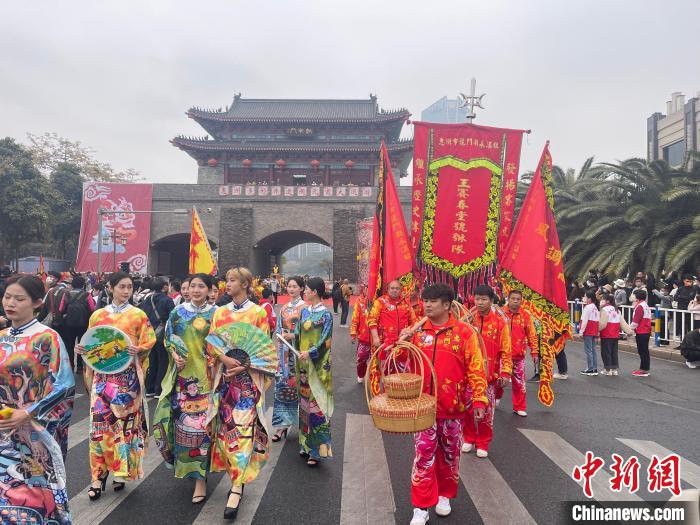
column 390, row 254
column 464, row 184
column 201, row 257
column 532, row 263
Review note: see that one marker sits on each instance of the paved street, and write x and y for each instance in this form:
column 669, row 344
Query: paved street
column 524, row 479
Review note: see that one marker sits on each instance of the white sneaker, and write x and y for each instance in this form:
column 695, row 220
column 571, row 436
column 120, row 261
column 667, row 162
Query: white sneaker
column 420, row 517
column 606, row 372
column 521, row 413
column 443, row 507
column 360, row 379
column 614, row 371
column 691, row 364
column 498, row 402
column 560, row 376
column 467, row 448
column 481, row 453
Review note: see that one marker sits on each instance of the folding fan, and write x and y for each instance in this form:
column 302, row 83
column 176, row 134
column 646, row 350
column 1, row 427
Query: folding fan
column 176, row 343
column 248, row 344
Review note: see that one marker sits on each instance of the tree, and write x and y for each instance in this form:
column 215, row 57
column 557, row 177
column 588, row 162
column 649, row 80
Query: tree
column 326, row 264
column 25, row 199
column 67, row 184
column 50, row 150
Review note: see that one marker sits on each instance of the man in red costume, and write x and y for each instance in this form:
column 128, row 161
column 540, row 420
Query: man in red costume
column 359, row 334
column 522, row 334
column 454, row 350
column 493, row 327
column 389, row 315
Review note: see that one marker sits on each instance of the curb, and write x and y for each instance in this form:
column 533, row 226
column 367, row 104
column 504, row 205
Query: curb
column 666, row 353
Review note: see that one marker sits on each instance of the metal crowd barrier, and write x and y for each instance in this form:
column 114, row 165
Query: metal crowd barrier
column 669, row 325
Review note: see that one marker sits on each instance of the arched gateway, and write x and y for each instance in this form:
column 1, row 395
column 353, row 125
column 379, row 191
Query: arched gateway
column 278, row 173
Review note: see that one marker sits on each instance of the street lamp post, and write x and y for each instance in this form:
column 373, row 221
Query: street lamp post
column 101, row 212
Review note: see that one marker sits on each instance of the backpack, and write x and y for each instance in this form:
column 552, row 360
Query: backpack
column 77, row 313
column 160, row 329
column 56, row 301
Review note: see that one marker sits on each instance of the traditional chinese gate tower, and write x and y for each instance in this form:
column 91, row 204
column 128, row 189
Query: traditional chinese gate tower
column 278, row 173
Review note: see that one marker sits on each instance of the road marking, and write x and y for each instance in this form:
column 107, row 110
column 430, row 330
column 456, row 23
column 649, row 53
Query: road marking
column 690, row 472
column 485, row 485
column 566, row 457
column 367, row 496
column 86, row 512
column 78, row 432
column 213, row 509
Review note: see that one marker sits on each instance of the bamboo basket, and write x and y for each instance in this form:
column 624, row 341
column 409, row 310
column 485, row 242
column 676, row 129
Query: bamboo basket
column 391, row 412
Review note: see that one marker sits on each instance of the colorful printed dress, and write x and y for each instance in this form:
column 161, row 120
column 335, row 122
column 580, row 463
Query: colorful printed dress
column 118, row 413
column 236, row 410
column 35, row 375
column 179, row 423
column 315, row 381
column 286, row 409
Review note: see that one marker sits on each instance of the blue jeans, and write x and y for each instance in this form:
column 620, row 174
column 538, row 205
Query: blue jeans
column 589, row 347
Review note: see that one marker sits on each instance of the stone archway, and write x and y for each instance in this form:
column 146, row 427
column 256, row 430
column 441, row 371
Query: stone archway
column 267, row 251
column 170, row 255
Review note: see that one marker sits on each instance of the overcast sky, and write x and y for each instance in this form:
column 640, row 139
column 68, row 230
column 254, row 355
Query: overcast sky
column 119, row 76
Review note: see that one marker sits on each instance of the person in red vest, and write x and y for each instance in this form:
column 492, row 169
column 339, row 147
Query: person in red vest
column 359, row 334
column 493, row 327
column 590, row 318
column 641, row 324
column 266, row 303
column 522, row 334
column 453, row 348
column 390, row 314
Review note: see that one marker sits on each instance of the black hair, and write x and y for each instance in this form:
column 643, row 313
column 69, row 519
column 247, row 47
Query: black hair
column 78, row 282
column 641, row 295
column 438, row 291
column 514, row 292
column 158, row 283
column 189, row 278
column 54, row 273
column 297, row 279
column 687, row 277
column 485, row 290
column 118, row 276
column 609, row 299
column 206, row 279
column 32, row 284
column 266, row 293
column 317, row 285
column 591, row 295
column 176, row 284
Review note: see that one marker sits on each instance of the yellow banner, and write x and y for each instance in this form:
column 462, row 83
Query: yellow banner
column 201, row 257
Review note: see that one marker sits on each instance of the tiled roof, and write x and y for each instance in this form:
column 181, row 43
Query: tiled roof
column 215, row 145
column 312, row 110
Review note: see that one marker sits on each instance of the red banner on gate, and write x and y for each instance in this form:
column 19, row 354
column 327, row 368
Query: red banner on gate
column 126, row 233
column 464, row 185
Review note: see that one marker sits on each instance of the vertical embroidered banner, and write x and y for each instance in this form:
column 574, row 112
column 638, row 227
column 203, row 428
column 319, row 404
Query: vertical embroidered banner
column 464, row 185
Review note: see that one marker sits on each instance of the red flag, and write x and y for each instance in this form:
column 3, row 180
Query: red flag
column 532, row 263
column 390, row 254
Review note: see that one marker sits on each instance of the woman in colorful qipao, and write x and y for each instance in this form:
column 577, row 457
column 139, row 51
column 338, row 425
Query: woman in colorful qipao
column 286, row 409
column 118, row 412
column 314, row 376
column 179, row 424
column 36, row 402
column 240, row 445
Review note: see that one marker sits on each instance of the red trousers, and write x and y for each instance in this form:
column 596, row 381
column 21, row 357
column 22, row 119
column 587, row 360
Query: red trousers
column 481, row 434
column 518, row 384
column 364, row 352
column 436, row 465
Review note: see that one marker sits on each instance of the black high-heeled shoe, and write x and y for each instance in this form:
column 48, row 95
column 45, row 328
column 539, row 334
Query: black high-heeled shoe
column 279, row 435
column 95, row 493
column 118, row 485
column 231, row 512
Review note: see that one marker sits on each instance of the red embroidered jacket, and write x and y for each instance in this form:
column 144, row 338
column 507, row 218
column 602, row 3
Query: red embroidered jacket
column 389, row 317
column 522, row 333
column 496, row 335
column 358, row 324
column 455, row 352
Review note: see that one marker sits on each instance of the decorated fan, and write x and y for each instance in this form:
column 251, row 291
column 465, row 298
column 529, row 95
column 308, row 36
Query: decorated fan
column 247, row 344
column 176, row 344
column 106, row 349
